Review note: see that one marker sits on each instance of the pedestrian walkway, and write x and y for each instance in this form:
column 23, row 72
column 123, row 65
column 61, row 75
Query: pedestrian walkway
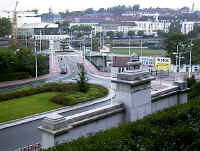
column 53, row 71
column 90, row 68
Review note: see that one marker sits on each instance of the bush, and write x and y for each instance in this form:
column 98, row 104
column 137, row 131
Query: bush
column 173, row 129
column 13, row 76
column 93, row 92
column 191, row 81
column 67, row 89
column 50, row 87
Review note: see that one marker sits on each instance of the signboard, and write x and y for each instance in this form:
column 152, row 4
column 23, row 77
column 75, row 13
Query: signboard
column 147, row 61
column 162, row 63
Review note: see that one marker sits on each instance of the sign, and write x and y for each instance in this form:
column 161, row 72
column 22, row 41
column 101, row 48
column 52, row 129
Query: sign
column 162, row 63
column 147, row 61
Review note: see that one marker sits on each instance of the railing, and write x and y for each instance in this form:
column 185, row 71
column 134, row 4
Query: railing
column 33, row 147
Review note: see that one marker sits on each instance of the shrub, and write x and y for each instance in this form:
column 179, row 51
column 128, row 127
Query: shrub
column 191, row 81
column 13, row 76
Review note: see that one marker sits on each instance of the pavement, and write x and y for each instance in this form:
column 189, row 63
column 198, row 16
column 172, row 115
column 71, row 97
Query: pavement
column 90, row 68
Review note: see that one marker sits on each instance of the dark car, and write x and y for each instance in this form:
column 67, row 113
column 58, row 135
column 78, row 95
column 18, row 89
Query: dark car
column 63, row 70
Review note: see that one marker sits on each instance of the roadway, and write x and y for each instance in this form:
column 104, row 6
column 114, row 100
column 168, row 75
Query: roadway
column 25, row 134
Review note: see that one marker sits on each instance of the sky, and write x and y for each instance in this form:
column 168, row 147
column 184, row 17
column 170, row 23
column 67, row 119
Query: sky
column 62, row 5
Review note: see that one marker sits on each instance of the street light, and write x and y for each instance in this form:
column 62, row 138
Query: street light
column 36, row 64
column 40, row 42
column 178, row 60
column 190, row 71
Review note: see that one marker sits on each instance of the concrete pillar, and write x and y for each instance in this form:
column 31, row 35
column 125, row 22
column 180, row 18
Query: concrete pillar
column 183, row 89
column 52, row 125
column 134, row 90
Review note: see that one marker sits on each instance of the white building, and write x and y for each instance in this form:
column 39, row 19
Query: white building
column 187, row 27
column 151, row 27
column 123, row 27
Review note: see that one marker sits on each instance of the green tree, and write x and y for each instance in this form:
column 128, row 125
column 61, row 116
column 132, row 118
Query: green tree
column 82, row 84
column 5, row 27
column 131, row 33
column 172, row 41
column 195, row 32
column 140, row 33
column 175, row 27
column 196, row 50
column 120, row 34
column 95, row 44
column 110, row 34
column 161, row 34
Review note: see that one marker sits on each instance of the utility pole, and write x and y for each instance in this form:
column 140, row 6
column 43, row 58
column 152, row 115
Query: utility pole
column 177, row 58
column 141, row 48
column 190, row 71
column 40, row 42
column 129, row 49
column 36, row 68
column 91, row 46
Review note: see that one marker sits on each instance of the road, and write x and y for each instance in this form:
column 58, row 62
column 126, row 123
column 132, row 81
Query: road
column 22, row 135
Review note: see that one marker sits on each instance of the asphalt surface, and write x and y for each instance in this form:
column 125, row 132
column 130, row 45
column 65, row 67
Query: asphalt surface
column 22, row 135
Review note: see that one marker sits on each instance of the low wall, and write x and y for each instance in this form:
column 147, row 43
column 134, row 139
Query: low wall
column 57, row 129
column 169, row 97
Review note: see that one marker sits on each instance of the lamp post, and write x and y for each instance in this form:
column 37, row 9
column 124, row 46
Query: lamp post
column 36, row 64
column 91, row 46
column 190, row 71
column 40, row 42
column 141, row 48
column 129, row 49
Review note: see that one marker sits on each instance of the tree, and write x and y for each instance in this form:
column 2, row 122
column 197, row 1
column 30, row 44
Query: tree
column 175, row 27
column 196, row 50
column 89, row 11
column 131, row 33
column 140, row 33
column 195, row 32
column 110, row 34
column 95, row 44
column 120, row 34
column 5, row 27
column 161, row 34
column 172, row 41
column 82, row 84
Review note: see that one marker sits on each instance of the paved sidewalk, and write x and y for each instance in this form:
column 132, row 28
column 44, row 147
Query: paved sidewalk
column 53, row 71
column 90, row 68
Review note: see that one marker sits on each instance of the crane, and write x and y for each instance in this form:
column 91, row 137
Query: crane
column 14, row 24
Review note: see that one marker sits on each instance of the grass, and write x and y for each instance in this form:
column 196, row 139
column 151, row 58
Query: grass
column 25, row 106
column 146, row 52
column 21, row 107
column 93, row 93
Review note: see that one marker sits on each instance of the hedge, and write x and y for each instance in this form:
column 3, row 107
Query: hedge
column 13, row 76
column 67, row 88
column 50, row 87
column 173, row 129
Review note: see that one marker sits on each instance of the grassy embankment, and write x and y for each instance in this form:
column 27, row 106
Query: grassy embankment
column 30, row 104
column 145, row 52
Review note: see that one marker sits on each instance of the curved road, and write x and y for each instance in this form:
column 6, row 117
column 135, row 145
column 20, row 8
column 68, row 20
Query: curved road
column 25, row 134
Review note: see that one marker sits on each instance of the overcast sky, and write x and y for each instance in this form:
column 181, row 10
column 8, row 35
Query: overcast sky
column 62, row 5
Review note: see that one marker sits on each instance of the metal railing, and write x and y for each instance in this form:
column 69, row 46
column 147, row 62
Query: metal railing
column 33, row 147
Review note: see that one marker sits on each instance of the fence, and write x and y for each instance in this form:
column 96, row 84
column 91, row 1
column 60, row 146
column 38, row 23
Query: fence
column 33, row 147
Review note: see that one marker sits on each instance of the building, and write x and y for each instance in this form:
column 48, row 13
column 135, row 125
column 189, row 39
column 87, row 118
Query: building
column 87, row 21
column 50, row 17
column 151, row 27
column 187, row 27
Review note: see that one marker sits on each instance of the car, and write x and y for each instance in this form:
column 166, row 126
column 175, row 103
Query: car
column 63, row 71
